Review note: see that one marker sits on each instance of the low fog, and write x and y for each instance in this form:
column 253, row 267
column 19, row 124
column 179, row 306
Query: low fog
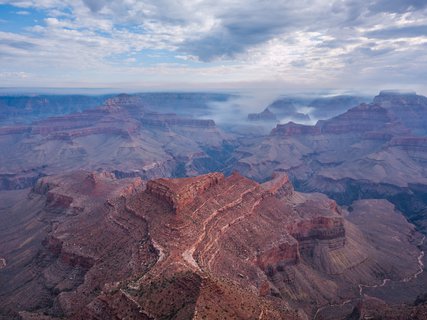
column 307, row 109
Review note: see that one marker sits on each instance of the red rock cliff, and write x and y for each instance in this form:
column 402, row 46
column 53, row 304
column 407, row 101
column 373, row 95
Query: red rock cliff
column 180, row 192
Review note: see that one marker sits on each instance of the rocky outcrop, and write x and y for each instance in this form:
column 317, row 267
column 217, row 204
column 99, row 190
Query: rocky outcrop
column 43, row 186
column 179, row 193
column 266, row 115
column 19, row 181
column 390, row 99
column 280, row 186
column 64, row 257
column 235, row 248
column 360, row 119
column 284, row 109
column 319, row 228
column 58, row 200
column 293, row 129
column 55, row 246
column 277, row 255
column 408, row 108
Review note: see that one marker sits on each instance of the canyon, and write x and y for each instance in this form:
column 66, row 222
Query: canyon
column 374, row 150
column 140, row 206
column 122, row 136
column 97, row 247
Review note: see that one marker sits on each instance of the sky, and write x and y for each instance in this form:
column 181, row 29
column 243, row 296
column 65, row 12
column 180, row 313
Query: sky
column 259, row 45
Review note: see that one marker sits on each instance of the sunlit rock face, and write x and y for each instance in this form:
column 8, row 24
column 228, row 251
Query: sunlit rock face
column 97, row 247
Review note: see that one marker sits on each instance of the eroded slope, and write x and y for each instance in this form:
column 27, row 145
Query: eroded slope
column 205, row 247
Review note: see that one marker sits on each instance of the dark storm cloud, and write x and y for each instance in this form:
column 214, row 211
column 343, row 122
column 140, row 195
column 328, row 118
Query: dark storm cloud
column 400, row 32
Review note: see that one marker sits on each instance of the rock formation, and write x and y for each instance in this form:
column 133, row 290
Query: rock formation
column 124, row 240
column 266, row 115
column 95, row 247
column 372, row 150
column 121, row 136
column 291, row 129
column 179, row 193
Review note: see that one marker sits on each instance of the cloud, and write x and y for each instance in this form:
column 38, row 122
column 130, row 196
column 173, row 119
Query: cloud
column 399, row 32
column 12, row 75
column 397, row 6
column 94, row 5
column 372, row 51
column 307, row 42
column 24, row 45
column 233, row 36
column 245, row 25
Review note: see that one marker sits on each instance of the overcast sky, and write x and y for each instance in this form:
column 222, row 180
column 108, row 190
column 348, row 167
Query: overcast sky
column 222, row 44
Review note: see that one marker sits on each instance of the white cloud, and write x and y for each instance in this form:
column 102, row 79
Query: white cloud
column 309, row 42
column 14, row 75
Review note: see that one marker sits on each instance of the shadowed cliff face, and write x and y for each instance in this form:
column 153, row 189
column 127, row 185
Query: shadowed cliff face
column 122, row 136
column 375, row 150
column 95, row 247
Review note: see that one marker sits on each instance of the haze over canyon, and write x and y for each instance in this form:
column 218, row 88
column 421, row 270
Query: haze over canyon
column 198, row 159
column 140, row 206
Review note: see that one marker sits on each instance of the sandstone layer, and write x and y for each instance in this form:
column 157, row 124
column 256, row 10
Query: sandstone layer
column 215, row 247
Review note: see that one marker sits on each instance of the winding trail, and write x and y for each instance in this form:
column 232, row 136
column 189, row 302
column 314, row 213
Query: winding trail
column 385, row 281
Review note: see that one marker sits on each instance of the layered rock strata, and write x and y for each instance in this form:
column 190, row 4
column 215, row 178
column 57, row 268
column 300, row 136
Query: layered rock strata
column 94, row 247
